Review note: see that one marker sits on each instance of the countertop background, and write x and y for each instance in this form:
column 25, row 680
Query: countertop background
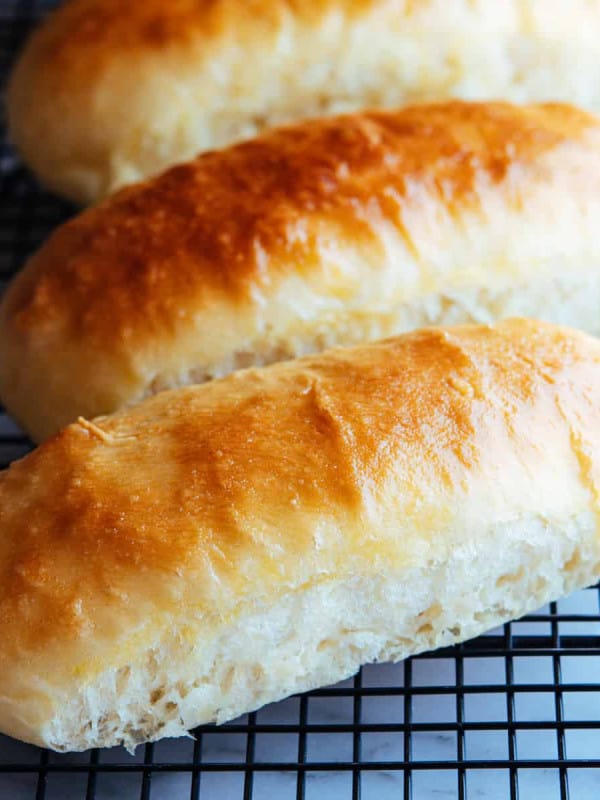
column 515, row 713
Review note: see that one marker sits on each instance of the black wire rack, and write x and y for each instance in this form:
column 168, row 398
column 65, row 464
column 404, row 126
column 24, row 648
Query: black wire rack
column 513, row 714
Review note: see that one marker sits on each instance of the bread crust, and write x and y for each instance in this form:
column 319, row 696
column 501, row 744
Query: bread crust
column 108, row 93
column 329, row 232
column 217, row 547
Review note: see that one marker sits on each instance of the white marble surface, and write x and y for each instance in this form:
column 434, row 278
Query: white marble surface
column 487, row 746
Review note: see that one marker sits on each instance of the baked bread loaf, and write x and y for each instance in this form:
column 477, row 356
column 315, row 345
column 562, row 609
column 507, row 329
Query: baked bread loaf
column 107, row 93
column 327, row 233
column 221, row 546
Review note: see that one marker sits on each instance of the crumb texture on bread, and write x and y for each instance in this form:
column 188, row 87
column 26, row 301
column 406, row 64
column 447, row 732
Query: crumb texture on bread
column 218, row 547
column 330, row 232
column 108, row 93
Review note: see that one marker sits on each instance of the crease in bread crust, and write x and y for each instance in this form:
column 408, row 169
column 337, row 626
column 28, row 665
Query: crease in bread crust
column 106, row 94
column 221, row 546
column 326, row 233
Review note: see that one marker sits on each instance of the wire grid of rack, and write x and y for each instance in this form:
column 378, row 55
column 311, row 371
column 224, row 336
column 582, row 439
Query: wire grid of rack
column 515, row 713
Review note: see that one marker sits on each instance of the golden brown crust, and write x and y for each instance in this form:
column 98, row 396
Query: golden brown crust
column 230, row 479
column 84, row 37
column 228, row 224
column 106, row 93
column 105, row 27
column 236, row 250
column 133, row 537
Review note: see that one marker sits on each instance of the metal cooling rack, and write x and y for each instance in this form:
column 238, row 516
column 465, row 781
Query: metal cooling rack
column 515, row 713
